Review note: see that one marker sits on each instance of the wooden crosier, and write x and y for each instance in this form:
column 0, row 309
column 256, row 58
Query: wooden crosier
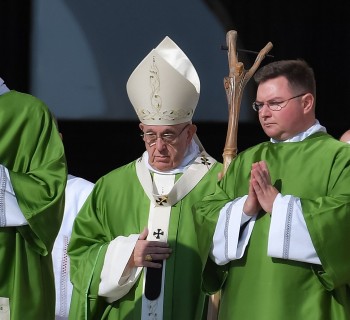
column 234, row 85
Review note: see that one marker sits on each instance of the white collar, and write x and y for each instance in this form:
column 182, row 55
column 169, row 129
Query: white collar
column 3, row 87
column 303, row 135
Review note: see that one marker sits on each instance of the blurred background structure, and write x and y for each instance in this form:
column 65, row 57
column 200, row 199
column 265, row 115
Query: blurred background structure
column 77, row 56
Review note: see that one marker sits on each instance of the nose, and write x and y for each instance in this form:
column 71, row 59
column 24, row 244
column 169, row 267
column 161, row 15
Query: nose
column 264, row 110
column 160, row 144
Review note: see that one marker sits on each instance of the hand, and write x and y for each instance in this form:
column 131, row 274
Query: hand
column 156, row 250
column 220, row 175
column 261, row 183
column 251, row 206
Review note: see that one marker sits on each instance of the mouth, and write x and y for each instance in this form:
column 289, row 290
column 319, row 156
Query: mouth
column 161, row 158
column 268, row 124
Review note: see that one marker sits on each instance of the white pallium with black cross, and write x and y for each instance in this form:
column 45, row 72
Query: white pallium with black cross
column 163, row 193
column 158, row 224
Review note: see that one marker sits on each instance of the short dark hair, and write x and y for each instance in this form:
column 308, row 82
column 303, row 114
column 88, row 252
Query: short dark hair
column 299, row 74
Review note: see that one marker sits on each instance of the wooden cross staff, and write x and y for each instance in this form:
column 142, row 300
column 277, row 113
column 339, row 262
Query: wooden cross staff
column 234, row 85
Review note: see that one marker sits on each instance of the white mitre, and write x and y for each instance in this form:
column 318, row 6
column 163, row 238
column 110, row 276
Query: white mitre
column 164, row 88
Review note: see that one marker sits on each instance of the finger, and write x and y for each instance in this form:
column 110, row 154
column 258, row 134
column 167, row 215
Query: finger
column 258, row 177
column 143, row 234
column 160, row 244
column 161, row 250
column 251, row 191
column 265, row 171
column 256, row 187
column 156, row 256
column 153, row 260
column 148, row 257
column 220, row 176
column 262, row 165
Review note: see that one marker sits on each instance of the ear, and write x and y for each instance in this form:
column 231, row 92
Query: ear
column 308, row 102
column 141, row 126
column 192, row 130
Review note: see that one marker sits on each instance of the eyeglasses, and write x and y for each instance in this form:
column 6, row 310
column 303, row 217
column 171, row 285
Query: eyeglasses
column 273, row 105
column 169, row 138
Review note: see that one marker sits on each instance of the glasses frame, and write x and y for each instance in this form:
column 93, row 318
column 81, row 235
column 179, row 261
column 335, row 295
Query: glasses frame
column 164, row 137
column 274, row 106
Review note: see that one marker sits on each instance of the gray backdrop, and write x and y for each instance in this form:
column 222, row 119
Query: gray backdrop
column 83, row 52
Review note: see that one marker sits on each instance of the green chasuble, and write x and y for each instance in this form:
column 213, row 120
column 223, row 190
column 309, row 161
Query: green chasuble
column 118, row 206
column 258, row 287
column 32, row 151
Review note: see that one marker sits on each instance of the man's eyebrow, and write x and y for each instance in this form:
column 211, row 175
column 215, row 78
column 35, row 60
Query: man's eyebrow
column 166, row 131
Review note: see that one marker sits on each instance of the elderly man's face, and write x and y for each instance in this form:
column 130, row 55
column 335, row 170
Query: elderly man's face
column 167, row 145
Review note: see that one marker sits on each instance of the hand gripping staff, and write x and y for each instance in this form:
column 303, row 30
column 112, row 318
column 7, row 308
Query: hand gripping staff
column 234, row 85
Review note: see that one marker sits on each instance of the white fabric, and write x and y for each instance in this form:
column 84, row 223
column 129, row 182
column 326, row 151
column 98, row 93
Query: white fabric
column 114, row 282
column 76, row 192
column 4, row 308
column 3, row 87
column 172, row 54
column 299, row 246
column 227, row 242
column 158, row 226
column 194, row 173
column 113, row 286
column 10, row 212
column 164, row 88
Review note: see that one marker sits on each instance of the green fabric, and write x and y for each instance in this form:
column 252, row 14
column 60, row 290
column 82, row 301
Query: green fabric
column 258, row 287
column 32, row 151
column 118, row 206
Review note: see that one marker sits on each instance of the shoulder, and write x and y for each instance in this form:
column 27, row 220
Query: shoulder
column 15, row 103
column 17, row 97
column 79, row 183
column 124, row 173
column 77, row 189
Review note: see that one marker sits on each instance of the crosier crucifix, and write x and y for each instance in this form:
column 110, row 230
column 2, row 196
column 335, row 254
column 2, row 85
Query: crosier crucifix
column 234, row 85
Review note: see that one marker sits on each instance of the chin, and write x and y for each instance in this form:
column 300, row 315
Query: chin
column 162, row 167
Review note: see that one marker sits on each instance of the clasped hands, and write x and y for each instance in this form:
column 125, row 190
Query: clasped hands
column 262, row 193
column 146, row 253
